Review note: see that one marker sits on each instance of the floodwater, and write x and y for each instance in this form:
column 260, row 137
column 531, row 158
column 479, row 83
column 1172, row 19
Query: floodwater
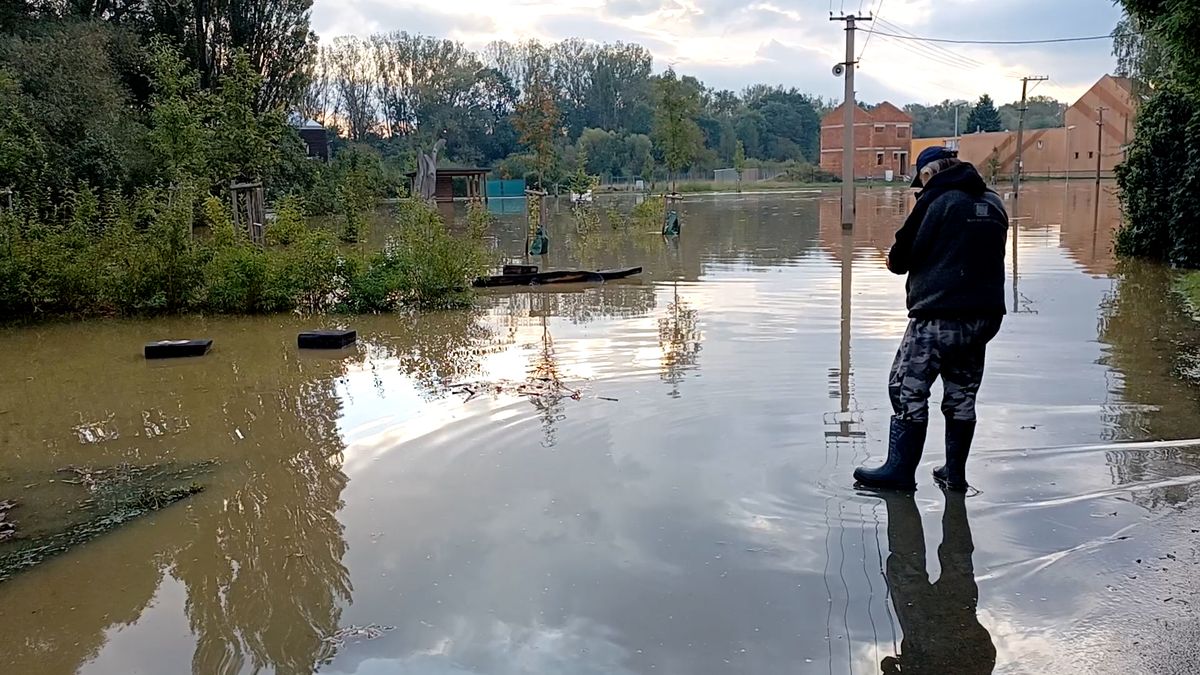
column 683, row 506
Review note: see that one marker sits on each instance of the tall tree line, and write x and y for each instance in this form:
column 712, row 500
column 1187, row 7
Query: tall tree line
column 275, row 35
column 937, row 120
column 408, row 89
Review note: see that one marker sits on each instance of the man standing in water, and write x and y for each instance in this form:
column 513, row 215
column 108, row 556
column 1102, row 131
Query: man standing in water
column 952, row 248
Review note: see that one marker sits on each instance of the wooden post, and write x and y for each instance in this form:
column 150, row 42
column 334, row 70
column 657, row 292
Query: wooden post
column 249, row 210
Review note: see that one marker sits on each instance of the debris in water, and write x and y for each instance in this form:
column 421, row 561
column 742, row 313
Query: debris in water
column 7, row 528
column 536, row 388
column 607, row 398
column 97, row 432
column 338, row 639
column 110, row 497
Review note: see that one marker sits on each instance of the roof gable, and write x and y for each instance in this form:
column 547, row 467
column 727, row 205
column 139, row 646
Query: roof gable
column 886, row 112
column 834, row 117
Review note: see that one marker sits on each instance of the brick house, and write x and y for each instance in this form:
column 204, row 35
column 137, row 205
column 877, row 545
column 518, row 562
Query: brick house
column 882, row 141
column 1070, row 150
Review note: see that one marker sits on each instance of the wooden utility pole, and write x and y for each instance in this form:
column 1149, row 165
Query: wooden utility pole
column 1099, row 141
column 1021, row 130
column 849, row 103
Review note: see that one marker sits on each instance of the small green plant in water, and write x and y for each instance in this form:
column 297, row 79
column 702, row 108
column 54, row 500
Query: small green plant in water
column 649, row 214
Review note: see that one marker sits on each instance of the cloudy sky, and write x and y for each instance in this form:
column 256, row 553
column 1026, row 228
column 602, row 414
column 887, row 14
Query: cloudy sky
column 733, row 43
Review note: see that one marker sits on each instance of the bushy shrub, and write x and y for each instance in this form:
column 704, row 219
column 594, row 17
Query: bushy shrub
column 436, row 267
column 140, row 256
column 1159, row 180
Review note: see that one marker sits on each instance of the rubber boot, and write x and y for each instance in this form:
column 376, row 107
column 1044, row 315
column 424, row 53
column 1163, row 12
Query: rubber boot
column 953, row 474
column 905, row 444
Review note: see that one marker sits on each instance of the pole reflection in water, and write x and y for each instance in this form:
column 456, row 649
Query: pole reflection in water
column 678, row 332
column 545, row 369
column 942, row 633
column 846, row 419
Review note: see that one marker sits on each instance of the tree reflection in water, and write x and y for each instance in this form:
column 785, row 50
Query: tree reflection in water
column 435, row 349
column 263, row 566
column 679, row 340
column 1150, row 339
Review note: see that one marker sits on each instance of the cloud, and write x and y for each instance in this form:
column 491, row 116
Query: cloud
column 777, row 63
column 734, row 43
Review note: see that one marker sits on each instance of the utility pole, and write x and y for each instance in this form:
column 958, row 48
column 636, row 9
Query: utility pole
column 1021, row 130
column 849, row 103
column 1099, row 141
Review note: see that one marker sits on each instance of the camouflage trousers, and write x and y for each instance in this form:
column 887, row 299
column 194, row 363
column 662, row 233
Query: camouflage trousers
column 953, row 349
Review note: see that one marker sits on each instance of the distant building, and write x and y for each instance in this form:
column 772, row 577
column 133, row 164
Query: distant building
column 882, row 141
column 1071, row 149
column 316, row 139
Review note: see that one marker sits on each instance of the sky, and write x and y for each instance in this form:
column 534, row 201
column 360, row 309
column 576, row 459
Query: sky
column 730, row 44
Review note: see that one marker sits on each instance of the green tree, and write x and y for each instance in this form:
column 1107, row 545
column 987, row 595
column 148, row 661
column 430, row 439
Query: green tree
column 675, row 130
column 537, row 115
column 76, row 105
column 984, row 116
column 934, row 121
column 1160, row 175
column 1042, row 112
column 1159, row 180
column 1168, row 44
column 22, row 153
column 274, row 35
column 1139, row 57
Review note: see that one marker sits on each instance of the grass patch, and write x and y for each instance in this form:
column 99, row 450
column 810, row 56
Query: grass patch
column 1188, row 285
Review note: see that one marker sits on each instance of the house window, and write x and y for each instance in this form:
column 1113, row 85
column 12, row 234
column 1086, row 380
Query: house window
column 879, row 159
column 879, row 128
column 1077, row 155
column 1091, row 154
column 901, row 132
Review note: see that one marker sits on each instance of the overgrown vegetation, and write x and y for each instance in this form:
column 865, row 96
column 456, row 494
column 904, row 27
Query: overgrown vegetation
column 140, row 257
column 1161, row 174
column 114, row 206
column 1189, row 287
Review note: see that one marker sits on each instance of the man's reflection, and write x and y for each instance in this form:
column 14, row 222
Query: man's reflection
column 941, row 631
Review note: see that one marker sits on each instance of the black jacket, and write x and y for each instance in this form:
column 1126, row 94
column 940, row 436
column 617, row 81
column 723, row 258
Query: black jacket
column 952, row 248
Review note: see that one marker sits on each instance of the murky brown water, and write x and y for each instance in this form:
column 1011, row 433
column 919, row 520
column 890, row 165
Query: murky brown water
column 701, row 522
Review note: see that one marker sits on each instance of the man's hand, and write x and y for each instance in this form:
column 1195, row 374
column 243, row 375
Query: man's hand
column 887, row 261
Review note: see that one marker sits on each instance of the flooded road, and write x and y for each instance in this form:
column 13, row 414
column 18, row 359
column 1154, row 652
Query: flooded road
column 681, row 504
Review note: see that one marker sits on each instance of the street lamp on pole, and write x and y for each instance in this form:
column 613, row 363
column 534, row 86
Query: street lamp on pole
column 1067, row 166
column 958, row 105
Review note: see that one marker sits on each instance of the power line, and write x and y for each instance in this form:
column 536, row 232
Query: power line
column 937, row 54
column 999, row 42
column 931, row 47
column 871, row 31
column 934, row 57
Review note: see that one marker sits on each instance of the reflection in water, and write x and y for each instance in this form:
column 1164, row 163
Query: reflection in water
column 847, row 421
column 545, row 369
column 679, row 340
column 259, row 553
column 942, row 633
column 1150, row 345
column 671, row 538
column 263, row 567
column 435, row 349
